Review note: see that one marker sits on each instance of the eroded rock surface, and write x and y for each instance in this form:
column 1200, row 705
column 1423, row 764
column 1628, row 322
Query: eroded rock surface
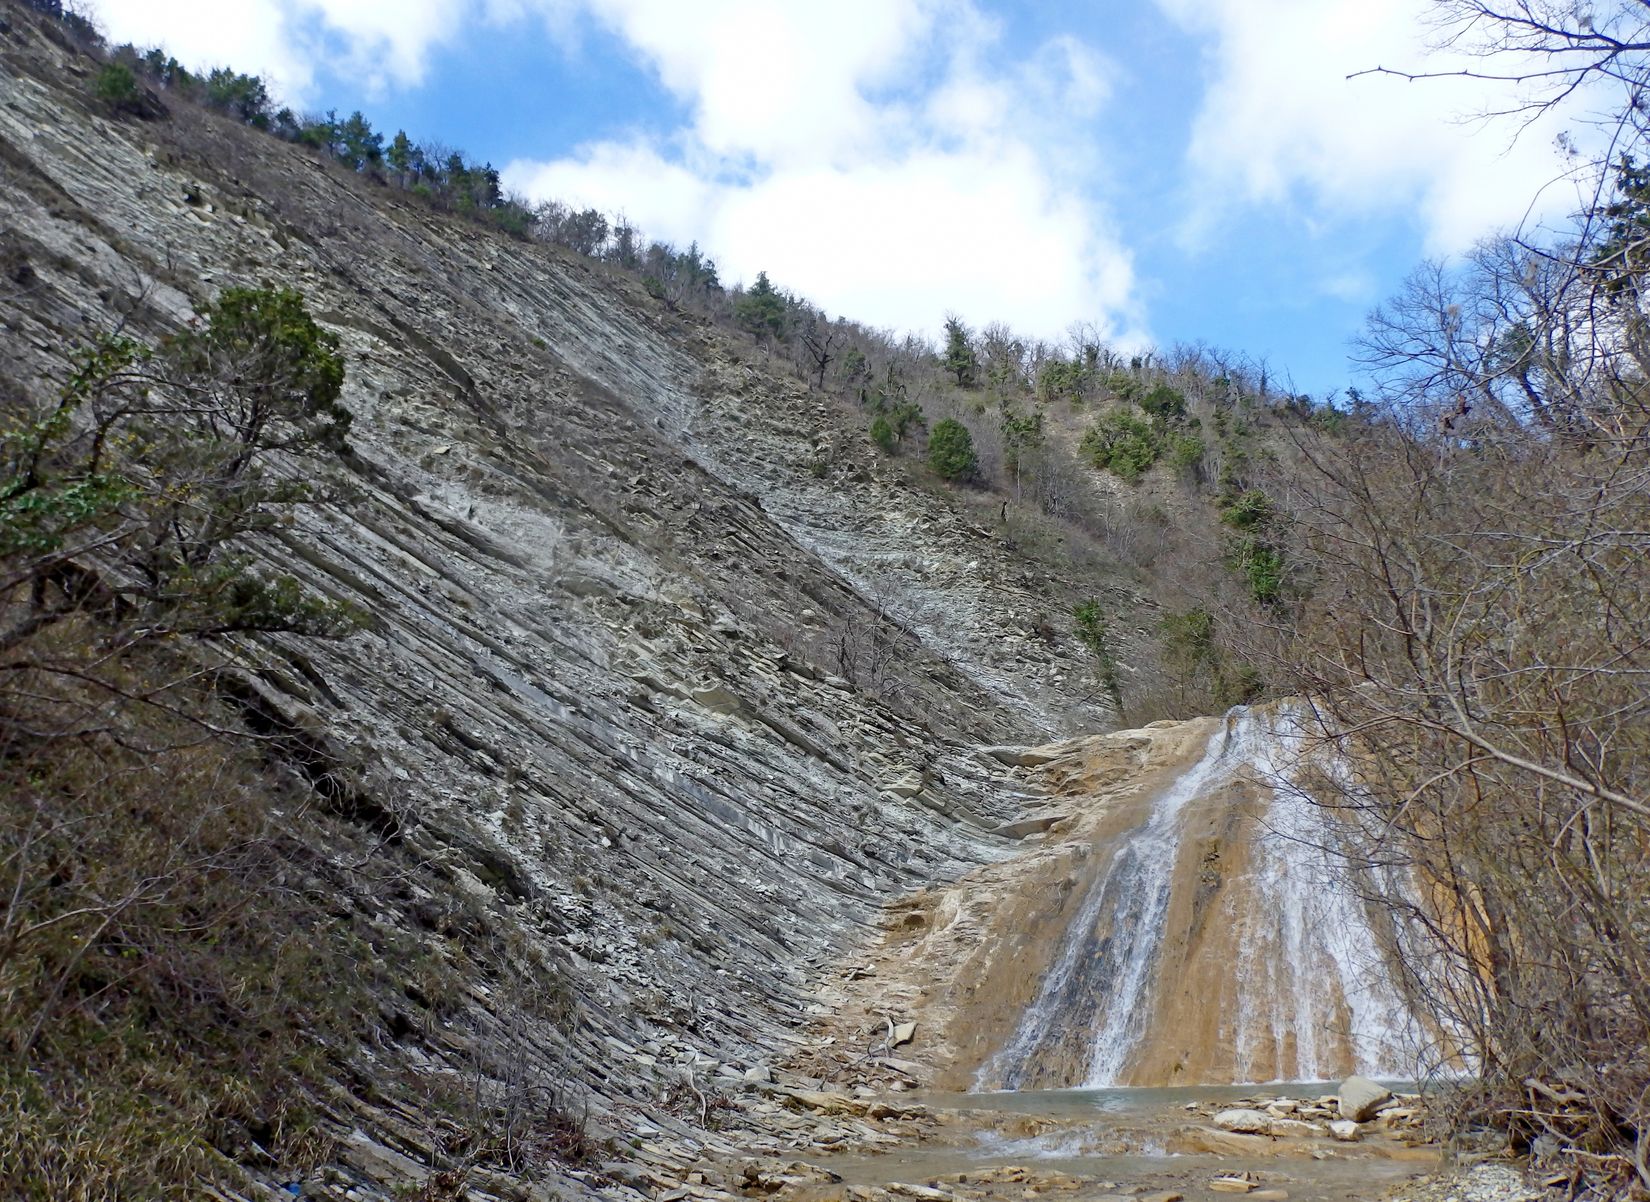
column 638, row 676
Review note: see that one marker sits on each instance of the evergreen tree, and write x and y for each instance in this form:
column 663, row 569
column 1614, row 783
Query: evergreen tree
column 402, row 155
column 960, row 358
column 951, row 450
column 762, row 309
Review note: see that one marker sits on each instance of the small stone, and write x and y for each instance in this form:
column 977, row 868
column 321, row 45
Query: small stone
column 1344, row 1130
column 1232, row 1185
column 903, row 1033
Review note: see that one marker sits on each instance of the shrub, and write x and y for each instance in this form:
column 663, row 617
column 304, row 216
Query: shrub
column 883, row 434
column 1122, row 443
column 117, row 88
column 1164, row 406
column 1185, row 452
column 1090, row 628
column 951, row 450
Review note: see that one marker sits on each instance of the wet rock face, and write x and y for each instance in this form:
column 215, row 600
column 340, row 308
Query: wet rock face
column 635, row 674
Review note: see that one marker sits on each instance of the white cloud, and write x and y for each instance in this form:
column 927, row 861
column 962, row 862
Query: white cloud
column 876, row 155
column 1281, row 122
column 380, row 41
column 251, row 35
column 814, row 153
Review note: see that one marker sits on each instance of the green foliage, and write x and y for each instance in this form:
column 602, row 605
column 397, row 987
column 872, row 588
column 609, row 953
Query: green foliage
column 402, row 156
column 959, row 357
column 882, row 433
column 761, row 310
column 1194, row 659
column 1185, row 452
column 1069, row 380
column 1123, row 386
column 1253, row 552
column 116, row 87
column 854, row 370
column 1262, row 566
column 1164, row 406
column 1250, row 510
column 1122, row 443
column 243, row 97
column 136, row 488
column 1090, row 629
column 951, row 450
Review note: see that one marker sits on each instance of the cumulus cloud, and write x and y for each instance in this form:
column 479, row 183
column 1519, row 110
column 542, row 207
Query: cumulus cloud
column 1280, row 123
column 884, row 157
column 383, row 42
column 874, row 154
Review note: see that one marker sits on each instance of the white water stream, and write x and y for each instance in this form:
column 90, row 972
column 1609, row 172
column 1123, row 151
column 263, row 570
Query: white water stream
column 1305, row 990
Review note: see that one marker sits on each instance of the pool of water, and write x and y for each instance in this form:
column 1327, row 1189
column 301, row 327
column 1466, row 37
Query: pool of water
column 1127, row 1136
column 1126, row 1100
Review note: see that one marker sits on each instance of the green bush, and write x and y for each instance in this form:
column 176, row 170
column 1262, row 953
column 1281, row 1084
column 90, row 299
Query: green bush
column 951, row 450
column 116, row 87
column 1261, row 565
column 1090, row 628
column 883, row 434
column 1249, row 510
column 1164, row 406
column 1122, row 443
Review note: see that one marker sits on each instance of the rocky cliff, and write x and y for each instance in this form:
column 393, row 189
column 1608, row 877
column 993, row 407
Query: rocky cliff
column 639, row 678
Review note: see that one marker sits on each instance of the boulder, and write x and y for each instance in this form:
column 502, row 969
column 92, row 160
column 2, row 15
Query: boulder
column 1359, row 1098
column 1245, row 1122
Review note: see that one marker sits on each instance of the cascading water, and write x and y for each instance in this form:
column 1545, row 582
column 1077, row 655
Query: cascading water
column 1267, row 966
column 1314, row 985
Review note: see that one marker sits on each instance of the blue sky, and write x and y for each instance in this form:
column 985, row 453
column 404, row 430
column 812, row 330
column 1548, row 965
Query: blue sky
column 1165, row 170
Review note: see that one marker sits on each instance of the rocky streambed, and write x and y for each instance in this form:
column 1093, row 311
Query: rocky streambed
column 1149, row 1145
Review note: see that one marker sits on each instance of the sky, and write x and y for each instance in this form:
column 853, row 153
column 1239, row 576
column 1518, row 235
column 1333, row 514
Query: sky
column 1165, row 171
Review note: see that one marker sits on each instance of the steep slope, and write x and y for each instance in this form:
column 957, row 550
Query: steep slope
column 637, row 678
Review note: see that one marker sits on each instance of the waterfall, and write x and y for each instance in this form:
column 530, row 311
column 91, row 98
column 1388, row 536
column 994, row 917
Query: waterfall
column 1313, row 973
column 1273, row 971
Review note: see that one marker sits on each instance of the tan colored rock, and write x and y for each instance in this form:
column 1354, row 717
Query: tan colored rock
column 1345, row 1130
column 1294, row 1129
column 1245, row 1121
column 1218, row 1142
column 1359, row 1098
